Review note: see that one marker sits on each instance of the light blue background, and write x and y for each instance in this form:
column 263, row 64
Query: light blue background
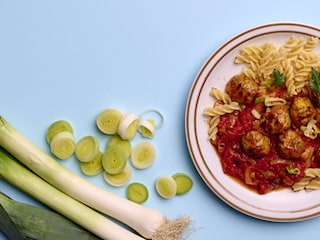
column 72, row 59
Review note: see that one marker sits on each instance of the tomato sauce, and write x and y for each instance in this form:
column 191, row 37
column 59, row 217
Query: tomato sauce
column 262, row 174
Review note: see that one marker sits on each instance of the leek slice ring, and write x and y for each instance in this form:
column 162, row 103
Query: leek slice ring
column 153, row 112
column 146, row 128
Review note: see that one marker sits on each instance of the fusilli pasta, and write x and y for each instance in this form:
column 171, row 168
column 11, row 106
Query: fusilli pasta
column 221, row 109
column 214, row 113
column 273, row 101
column 311, row 181
column 298, row 186
column 294, row 59
column 213, row 123
column 220, row 95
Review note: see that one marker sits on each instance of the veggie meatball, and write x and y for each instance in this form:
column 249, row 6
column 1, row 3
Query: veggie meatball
column 302, row 111
column 255, row 144
column 277, row 119
column 242, row 89
column 290, row 144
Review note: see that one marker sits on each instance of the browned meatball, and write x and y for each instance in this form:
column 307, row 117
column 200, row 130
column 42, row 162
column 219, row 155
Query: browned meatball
column 277, row 119
column 290, row 144
column 302, row 111
column 255, row 144
column 242, row 89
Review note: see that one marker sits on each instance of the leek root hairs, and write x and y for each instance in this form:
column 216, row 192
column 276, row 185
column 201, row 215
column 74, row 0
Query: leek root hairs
column 175, row 229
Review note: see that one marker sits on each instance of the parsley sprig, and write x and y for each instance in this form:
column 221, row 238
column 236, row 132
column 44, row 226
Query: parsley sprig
column 315, row 82
column 279, row 78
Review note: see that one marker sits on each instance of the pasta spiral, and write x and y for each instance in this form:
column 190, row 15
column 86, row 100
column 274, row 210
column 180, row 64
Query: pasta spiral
column 220, row 96
column 221, row 109
column 310, row 182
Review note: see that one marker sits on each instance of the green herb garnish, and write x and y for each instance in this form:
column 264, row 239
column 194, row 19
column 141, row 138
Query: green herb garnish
column 270, row 84
column 315, row 82
column 260, row 99
column 279, row 78
column 315, row 87
column 292, row 171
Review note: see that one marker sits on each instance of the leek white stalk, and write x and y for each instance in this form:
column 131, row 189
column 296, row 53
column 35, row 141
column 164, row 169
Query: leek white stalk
column 24, row 179
column 148, row 222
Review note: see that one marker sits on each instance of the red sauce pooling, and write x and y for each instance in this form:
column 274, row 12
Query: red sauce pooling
column 261, row 174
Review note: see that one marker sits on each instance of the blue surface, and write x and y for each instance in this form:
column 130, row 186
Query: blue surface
column 72, row 59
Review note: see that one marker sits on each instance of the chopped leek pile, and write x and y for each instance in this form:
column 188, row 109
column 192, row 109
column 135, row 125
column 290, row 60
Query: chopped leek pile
column 112, row 161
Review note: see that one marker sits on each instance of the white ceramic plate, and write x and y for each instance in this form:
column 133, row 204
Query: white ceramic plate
column 284, row 205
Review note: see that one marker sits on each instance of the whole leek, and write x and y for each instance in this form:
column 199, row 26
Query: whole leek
column 150, row 223
column 24, row 179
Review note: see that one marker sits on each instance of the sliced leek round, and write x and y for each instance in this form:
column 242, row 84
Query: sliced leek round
column 94, row 167
column 120, row 179
column 87, row 148
column 108, row 121
column 143, row 155
column 125, row 145
column 114, row 160
column 147, row 128
column 128, row 126
column 184, row 183
column 58, row 127
column 137, row 192
column 63, row 145
column 166, row 186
